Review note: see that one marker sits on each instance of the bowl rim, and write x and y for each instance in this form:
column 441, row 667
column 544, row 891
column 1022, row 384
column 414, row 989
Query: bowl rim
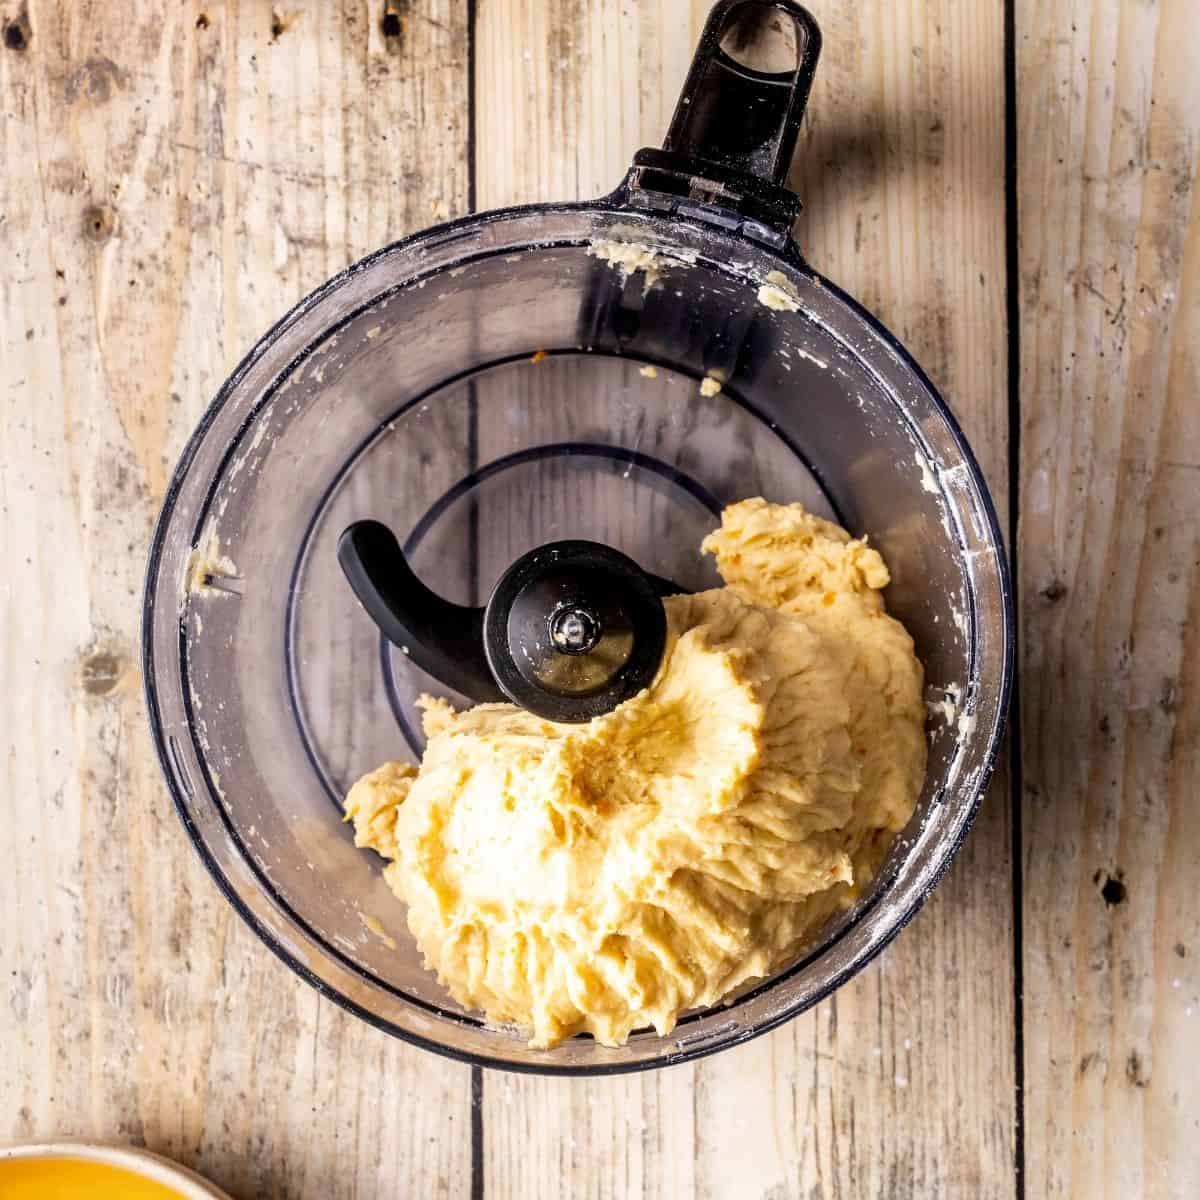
column 789, row 258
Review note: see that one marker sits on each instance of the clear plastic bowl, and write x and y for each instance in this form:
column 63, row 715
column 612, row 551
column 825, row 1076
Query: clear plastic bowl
column 407, row 389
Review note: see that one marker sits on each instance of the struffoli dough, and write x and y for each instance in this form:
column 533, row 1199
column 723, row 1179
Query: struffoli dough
column 606, row 877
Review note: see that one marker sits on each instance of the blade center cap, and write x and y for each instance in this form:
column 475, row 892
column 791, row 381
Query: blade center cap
column 574, row 630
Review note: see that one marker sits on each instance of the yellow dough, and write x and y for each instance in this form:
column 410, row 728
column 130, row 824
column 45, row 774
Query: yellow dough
column 605, row 877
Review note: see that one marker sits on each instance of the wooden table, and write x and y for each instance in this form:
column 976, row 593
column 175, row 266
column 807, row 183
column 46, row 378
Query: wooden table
column 1013, row 188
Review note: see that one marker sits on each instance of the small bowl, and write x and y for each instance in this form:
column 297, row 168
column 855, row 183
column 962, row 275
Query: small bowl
column 123, row 1168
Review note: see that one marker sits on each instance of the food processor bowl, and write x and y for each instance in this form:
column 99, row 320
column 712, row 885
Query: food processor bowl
column 615, row 371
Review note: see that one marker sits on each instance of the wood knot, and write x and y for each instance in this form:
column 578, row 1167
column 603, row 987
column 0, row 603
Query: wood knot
column 94, row 81
column 101, row 672
column 1112, row 890
column 1053, row 592
column 281, row 22
column 99, row 223
column 18, row 33
column 1135, row 1070
column 395, row 15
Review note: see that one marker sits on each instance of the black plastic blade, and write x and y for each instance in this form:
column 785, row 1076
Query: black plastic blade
column 445, row 640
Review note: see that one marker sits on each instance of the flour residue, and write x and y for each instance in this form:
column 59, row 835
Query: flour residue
column 952, row 710
column 928, row 479
column 947, row 708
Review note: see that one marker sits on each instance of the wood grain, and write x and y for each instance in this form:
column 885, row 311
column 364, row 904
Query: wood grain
column 1109, row 131
column 175, row 176
column 902, row 167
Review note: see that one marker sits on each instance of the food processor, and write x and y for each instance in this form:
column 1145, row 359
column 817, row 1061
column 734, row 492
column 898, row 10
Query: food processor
column 472, row 464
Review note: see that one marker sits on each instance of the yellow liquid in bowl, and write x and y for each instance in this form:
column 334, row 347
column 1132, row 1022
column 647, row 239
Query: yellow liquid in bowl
column 75, row 1179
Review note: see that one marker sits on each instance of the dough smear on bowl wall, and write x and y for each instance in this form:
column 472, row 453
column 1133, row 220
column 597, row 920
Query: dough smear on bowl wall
column 604, row 877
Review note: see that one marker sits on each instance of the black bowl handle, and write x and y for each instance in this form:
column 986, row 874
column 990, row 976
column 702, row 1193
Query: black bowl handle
column 735, row 128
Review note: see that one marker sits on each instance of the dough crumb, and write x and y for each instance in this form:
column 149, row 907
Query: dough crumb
column 375, row 925
column 206, row 563
column 779, row 293
column 648, row 372
column 710, row 386
column 630, row 258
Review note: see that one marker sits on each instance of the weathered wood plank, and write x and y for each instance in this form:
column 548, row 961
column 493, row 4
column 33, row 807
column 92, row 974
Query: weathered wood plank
column 581, row 87
column 175, row 176
column 1109, row 130
column 902, row 1084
